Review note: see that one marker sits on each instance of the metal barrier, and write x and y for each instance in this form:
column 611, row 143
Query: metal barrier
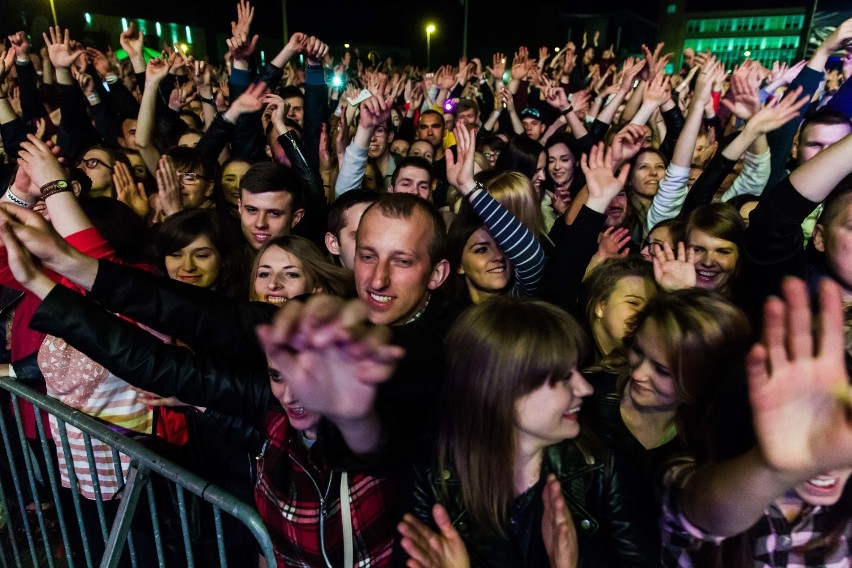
column 36, row 542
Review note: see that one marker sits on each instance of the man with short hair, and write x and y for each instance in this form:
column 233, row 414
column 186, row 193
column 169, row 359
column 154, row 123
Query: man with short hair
column 399, row 258
column 467, row 113
column 431, row 128
column 270, row 203
column 343, row 219
column 413, row 175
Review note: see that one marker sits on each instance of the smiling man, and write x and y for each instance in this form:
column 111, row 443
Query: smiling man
column 399, row 258
column 270, row 203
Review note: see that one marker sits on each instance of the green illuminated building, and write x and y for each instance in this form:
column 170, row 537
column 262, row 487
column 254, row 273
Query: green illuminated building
column 732, row 36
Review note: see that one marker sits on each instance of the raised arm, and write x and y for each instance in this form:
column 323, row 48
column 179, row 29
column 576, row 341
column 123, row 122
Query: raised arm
column 799, row 393
column 516, row 241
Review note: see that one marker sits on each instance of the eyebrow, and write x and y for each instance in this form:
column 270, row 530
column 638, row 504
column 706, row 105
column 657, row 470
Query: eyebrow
column 283, row 267
column 479, row 243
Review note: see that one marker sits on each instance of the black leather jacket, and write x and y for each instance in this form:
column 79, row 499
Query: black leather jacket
column 609, row 531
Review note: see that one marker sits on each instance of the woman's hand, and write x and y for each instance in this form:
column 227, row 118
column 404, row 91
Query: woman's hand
column 675, row 272
column 557, row 527
column 128, row 191
column 428, row 549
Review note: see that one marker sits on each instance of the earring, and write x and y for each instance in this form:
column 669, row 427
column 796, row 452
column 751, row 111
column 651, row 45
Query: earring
column 599, row 313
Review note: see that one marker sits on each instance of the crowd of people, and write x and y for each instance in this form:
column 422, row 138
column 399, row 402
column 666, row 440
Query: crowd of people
column 565, row 310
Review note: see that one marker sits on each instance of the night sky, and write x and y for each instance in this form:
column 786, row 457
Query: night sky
column 396, row 26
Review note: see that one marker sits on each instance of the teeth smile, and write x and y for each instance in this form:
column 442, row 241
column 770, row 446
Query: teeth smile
column 381, row 299
column 276, row 299
column 823, row 482
column 298, row 411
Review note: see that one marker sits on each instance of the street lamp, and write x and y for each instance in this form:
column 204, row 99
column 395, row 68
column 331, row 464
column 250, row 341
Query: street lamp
column 429, row 30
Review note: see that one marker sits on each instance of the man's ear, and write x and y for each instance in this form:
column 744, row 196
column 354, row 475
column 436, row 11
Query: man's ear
column 268, row 150
column 331, row 243
column 121, row 141
column 209, row 191
column 819, row 237
column 297, row 216
column 239, row 205
column 439, row 274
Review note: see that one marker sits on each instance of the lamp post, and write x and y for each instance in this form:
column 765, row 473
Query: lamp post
column 429, row 30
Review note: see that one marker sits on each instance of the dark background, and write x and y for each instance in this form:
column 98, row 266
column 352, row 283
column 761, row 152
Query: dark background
column 391, row 27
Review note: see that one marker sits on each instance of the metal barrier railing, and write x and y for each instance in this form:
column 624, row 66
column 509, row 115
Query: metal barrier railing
column 25, row 541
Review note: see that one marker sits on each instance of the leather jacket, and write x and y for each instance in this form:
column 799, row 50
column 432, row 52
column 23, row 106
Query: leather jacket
column 609, row 531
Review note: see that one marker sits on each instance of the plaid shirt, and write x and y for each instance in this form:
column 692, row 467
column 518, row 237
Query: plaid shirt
column 299, row 501
column 774, row 537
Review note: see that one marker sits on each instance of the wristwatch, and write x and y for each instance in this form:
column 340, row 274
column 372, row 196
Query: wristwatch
column 54, row 187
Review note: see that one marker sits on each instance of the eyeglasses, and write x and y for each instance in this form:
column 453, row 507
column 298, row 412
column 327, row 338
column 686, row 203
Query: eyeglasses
column 189, row 177
column 489, row 155
column 92, row 163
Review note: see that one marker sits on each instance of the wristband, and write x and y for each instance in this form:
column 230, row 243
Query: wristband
column 210, row 101
column 54, row 187
column 496, row 114
column 10, row 195
column 567, row 111
column 112, row 78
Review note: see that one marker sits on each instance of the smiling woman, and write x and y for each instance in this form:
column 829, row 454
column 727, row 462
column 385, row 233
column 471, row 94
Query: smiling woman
column 196, row 247
column 290, row 266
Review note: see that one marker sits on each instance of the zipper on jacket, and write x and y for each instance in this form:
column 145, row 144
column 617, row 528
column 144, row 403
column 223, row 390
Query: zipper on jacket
column 322, row 502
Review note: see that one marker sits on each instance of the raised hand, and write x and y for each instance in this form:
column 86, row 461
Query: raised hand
column 39, row 162
column 169, row 196
column 445, row 78
column 132, row 40
column 179, row 98
column 315, row 51
column 581, row 100
column 778, row 113
column 245, row 15
column 99, row 60
column 240, row 47
column 521, row 64
column 250, row 101
column 278, row 110
column 744, row 102
column 656, row 93
column 460, row 169
column 59, row 49
column 798, row 387
column 603, row 185
column 498, row 67
column 156, row 70
column 375, row 111
column 333, row 358
column 20, row 44
column 629, row 73
column 87, row 85
column 557, row 98
column 675, row 271
column 627, row 144
column 557, row 527
column 128, row 191
column 613, row 244
column 428, row 549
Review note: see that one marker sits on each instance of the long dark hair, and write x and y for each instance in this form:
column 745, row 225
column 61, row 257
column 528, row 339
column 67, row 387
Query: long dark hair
column 490, row 366
column 180, row 229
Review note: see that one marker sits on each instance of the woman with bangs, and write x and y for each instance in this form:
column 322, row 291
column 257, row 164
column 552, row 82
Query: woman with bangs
column 513, row 396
